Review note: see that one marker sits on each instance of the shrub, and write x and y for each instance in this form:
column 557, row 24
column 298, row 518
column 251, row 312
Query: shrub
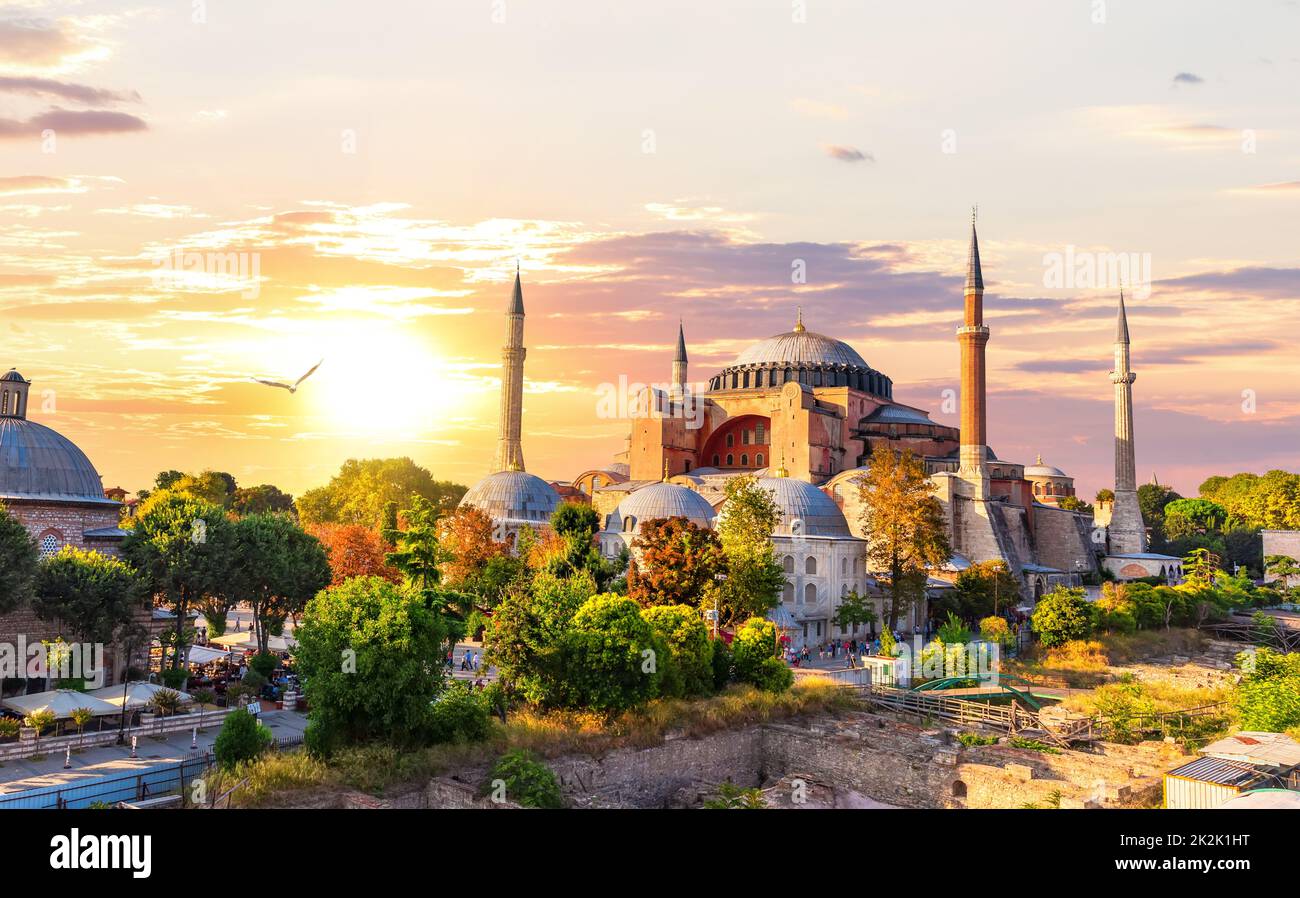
column 528, row 782
column 996, row 629
column 264, row 663
column 1268, row 697
column 175, row 678
column 754, row 659
column 953, row 631
column 1062, row 615
column 459, row 715
column 606, row 664
column 242, row 738
column 689, row 647
column 9, row 728
column 723, row 665
column 970, row 740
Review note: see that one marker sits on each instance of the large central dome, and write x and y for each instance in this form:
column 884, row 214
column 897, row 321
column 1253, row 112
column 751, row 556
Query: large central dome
column 801, row 346
column 800, row 355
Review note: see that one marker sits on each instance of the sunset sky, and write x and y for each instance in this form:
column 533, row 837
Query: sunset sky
column 386, row 164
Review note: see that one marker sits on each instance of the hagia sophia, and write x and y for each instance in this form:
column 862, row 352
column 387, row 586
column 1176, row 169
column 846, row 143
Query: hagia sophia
column 803, row 412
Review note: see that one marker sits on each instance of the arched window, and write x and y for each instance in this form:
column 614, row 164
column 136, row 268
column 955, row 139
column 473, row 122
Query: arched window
column 787, row 593
column 810, row 565
column 731, row 440
column 715, row 459
column 844, row 567
column 787, row 564
column 758, row 459
column 958, row 789
column 810, row 594
column 51, row 543
column 595, row 482
column 731, row 460
column 629, row 524
column 744, row 460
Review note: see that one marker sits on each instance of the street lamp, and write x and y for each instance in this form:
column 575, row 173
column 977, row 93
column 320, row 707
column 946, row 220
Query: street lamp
column 717, row 593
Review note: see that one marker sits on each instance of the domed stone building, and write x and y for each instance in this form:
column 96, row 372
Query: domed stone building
column 1050, row 485
column 49, row 484
column 656, row 501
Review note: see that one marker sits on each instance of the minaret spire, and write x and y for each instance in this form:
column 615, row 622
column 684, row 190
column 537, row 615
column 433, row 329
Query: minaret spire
column 798, row 321
column 973, row 336
column 679, row 361
column 1127, row 532
column 510, row 454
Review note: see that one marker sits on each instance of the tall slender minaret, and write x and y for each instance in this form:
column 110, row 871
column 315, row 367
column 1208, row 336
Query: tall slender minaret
column 1127, row 532
column 510, row 455
column 973, row 336
column 679, row 363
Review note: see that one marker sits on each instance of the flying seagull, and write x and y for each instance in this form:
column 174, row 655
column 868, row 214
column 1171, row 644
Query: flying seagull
column 291, row 388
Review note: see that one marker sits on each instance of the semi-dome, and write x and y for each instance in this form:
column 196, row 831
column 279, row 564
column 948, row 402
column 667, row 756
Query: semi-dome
column 805, row 510
column 661, row 500
column 513, row 496
column 800, row 355
column 37, row 463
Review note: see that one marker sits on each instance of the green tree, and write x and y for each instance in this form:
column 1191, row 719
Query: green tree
column 523, row 637
column 907, row 527
column 985, row 588
column 1268, row 697
column 613, row 658
column 674, row 562
column 1186, row 517
column 1152, row 499
column 754, row 578
column 261, row 499
column 689, row 648
column 854, row 611
column 182, row 549
column 38, row 721
column 280, row 567
column 362, row 489
column 94, row 594
column 1200, row 567
column 19, row 571
column 242, row 738
column 753, row 653
column 370, row 658
column 1062, row 615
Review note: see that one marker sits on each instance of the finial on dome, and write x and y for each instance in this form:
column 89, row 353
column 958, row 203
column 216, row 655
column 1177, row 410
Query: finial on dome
column 779, row 470
column 798, row 321
column 667, row 462
column 1040, row 459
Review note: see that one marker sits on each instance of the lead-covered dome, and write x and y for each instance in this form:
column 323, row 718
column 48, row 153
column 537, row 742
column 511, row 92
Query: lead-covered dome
column 805, row 510
column 805, row 357
column 37, row 463
column 660, row 500
column 513, row 496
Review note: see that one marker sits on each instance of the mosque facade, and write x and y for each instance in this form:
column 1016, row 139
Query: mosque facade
column 804, row 412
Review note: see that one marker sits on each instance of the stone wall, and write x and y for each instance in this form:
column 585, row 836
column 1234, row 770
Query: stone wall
column 1064, row 540
column 68, row 521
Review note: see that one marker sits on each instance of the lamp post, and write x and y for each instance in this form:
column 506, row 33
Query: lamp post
column 717, row 593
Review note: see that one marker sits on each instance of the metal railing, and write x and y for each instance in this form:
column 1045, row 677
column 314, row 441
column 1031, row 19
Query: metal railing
column 101, row 791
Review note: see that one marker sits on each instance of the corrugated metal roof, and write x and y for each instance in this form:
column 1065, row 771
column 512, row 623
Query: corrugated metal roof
column 1250, row 747
column 1216, row 770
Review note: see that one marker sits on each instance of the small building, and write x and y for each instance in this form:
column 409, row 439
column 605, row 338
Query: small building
column 1242, row 763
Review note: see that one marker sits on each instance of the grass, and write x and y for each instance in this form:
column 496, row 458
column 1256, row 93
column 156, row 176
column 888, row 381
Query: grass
column 271, row 774
column 377, row 768
column 1129, row 698
column 1085, row 663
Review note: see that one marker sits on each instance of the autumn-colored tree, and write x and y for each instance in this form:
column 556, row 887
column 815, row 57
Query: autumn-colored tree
column 467, row 535
column 354, row 550
column 674, row 562
column 907, row 533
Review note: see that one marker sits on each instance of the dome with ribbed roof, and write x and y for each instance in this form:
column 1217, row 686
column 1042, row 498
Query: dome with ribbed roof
column 40, row 464
column 1038, row 469
column 513, row 496
column 803, row 356
column 661, row 500
column 805, row 510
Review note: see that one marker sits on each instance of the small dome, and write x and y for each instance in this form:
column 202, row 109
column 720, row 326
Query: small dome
column 39, row 463
column 661, row 500
column 1038, row 469
column 513, row 496
column 12, row 375
column 805, row 510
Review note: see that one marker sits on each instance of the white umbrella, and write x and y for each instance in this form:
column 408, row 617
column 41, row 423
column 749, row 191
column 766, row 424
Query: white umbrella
column 249, row 641
column 138, row 695
column 61, row 701
column 201, row 654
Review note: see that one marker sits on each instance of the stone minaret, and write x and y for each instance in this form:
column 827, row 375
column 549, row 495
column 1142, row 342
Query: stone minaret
column 1127, row 532
column 679, row 363
column 510, row 455
column 973, row 336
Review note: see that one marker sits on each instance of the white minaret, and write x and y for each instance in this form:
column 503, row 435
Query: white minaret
column 1127, row 533
column 510, row 454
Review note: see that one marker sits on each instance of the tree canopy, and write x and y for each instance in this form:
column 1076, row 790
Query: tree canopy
column 674, row 562
column 362, row 488
column 94, row 594
column 18, row 573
